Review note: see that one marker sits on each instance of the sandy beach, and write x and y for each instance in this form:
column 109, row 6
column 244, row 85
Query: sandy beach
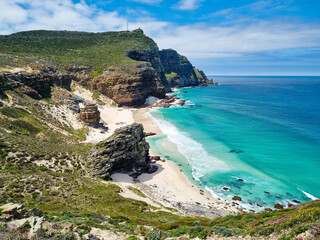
column 170, row 187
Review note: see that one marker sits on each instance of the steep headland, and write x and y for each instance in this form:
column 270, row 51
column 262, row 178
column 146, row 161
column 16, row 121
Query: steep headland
column 125, row 66
column 51, row 162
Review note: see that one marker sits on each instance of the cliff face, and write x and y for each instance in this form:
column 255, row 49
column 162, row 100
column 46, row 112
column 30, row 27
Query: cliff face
column 35, row 83
column 129, row 85
column 124, row 150
column 173, row 69
column 152, row 56
column 179, row 71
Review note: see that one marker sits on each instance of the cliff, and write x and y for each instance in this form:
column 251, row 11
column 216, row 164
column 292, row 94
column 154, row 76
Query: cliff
column 180, row 72
column 129, row 85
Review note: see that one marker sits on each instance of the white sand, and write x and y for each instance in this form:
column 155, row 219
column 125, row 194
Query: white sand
column 112, row 117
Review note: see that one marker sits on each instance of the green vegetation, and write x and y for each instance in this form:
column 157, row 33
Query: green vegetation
column 65, row 49
column 171, row 75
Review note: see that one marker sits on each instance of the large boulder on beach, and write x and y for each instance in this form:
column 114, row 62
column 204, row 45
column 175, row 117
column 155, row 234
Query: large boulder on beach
column 90, row 114
column 124, row 151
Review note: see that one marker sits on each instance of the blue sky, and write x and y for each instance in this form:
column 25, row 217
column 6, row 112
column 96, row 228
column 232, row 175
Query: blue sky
column 222, row 37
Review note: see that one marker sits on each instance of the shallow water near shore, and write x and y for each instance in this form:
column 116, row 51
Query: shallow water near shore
column 257, row 137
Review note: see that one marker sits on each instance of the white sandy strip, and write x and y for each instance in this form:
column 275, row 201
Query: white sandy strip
column 113, row 117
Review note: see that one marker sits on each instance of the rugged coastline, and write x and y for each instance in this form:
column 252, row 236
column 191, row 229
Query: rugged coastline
column 68, row 123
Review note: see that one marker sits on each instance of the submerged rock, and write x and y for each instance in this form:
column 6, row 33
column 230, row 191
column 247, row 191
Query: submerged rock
column 237, row 198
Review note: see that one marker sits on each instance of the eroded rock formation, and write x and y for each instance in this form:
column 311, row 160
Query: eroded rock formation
column 129, row 85
column 90, row 114
column 124, row 151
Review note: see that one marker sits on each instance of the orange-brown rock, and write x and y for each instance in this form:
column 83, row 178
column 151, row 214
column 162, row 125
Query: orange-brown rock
column 129, row 85
column 90, row 114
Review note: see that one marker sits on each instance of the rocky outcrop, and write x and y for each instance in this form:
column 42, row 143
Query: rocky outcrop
column 62, row 96
column 129, row 85
column 90, row 114
column 124, row 151
column 17, row 218
column 179, row 71
column 152, row 56
column 35, row 83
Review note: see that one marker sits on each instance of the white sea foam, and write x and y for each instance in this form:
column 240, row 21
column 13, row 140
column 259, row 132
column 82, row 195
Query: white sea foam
column 309, row 195
column 193, row 151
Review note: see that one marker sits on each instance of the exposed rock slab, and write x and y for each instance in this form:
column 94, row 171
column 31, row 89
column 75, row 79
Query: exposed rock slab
column 124, row 151
column 129, row 85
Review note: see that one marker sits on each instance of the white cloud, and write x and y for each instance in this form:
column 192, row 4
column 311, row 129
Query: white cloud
column 203, row 41
column 188, row 4
column 151, row 2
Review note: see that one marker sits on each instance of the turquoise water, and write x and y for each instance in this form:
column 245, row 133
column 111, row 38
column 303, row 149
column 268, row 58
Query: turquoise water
column 263, row 130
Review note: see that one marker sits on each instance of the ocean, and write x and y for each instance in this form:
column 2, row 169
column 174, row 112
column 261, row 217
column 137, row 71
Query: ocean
column 253, row 137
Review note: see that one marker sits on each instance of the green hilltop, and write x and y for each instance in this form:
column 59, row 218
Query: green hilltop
column 64, row 48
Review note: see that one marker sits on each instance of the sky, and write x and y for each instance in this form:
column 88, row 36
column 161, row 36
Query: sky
column 221, row 37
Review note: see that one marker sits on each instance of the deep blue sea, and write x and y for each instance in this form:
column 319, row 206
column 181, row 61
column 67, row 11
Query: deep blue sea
column 257, row 137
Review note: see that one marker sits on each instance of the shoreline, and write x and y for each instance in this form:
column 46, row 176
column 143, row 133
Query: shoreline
column 170, row 186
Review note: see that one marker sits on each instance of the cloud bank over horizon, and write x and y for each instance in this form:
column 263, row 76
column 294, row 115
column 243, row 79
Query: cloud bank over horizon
column 256, row 30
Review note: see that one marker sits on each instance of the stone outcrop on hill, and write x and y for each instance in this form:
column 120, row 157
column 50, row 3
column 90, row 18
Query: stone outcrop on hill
column 90, row 114
column 124, row 151
column 152, row 56
column 36, row 83
column 179, row 71
column 129, row 85
column 173, row 69
column 62, row 96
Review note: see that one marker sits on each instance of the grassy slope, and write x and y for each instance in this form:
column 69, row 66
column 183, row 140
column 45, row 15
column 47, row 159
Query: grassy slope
column 64, row 48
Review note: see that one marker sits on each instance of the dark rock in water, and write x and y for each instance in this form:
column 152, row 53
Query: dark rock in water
column 226, row 188
column 266, row 192
column 296, row 201
column 289, row 194
column 167, row 157
column 237, row 198
column 125, row 150
column 259, row 205
column 278, row 196
column 236, row 151
column 278, row 206
column 268, row 209
column 184, row 92
column 240, row 180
